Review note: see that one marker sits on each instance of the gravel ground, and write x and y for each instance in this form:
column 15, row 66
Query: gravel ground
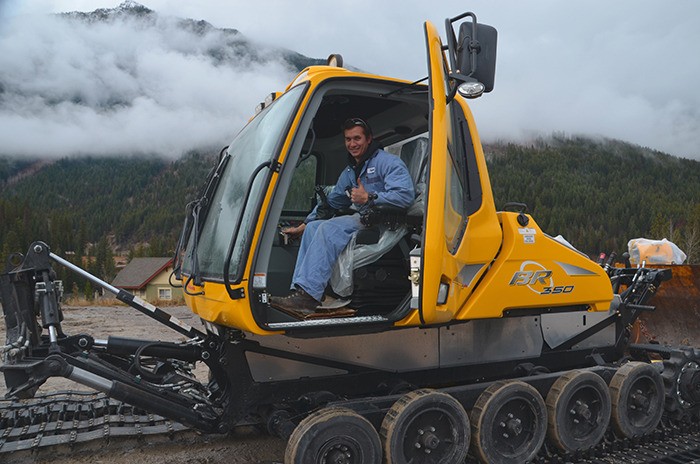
column 244, row 445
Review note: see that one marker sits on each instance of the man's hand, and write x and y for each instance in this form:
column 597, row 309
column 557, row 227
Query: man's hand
column 358, row 195
column 294, row 232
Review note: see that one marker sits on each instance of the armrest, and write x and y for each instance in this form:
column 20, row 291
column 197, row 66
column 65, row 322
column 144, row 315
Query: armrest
column 391, row 216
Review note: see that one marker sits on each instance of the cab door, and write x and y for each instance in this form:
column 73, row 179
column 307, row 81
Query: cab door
column 462, row 234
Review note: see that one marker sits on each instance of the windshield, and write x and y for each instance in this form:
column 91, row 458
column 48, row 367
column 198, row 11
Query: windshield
column 257, row 143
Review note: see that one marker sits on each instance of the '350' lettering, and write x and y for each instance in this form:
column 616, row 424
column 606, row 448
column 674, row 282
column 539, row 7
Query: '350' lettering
column 556, row 290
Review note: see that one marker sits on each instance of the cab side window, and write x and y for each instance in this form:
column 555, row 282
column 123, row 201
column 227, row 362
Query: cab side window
column 463, row 188
column 455, row 212
column 301, row 193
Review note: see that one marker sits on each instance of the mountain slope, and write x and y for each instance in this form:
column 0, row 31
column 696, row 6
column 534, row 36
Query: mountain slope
column 230, row 47
column 596, row 193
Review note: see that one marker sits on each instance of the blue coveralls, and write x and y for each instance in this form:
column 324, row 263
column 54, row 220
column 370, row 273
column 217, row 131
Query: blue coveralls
column 323, row 240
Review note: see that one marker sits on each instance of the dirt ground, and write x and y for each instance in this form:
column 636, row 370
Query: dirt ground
column 244, row 445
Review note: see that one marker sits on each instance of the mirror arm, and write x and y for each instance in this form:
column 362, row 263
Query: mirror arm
column 474, row 49
column 452, row 40
column 454, row 80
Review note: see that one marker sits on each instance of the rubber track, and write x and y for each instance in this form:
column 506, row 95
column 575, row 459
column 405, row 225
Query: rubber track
column 67, row 418
column 670, row 443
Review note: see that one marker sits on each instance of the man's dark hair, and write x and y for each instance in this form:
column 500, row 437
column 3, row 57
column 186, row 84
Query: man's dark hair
column 352, row 122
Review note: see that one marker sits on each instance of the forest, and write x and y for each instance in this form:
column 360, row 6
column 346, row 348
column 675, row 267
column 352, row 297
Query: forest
column 596, row 193
column 600, row 193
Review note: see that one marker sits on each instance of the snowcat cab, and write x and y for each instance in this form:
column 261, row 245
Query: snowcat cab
column 464, row 259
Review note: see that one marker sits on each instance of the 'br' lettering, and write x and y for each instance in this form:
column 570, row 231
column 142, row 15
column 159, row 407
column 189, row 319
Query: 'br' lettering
column 530, row 277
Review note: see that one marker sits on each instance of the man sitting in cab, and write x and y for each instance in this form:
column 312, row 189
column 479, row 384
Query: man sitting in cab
column 373, row 177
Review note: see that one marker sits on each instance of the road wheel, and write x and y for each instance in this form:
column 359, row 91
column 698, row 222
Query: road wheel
column 427, row 427
column 509, row 423
column 334, row 435
column 578, row 406
column 637, row 396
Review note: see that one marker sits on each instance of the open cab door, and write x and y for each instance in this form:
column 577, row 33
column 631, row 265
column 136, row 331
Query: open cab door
column 462, row 234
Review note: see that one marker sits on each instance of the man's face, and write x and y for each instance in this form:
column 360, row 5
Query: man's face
column 356, row 141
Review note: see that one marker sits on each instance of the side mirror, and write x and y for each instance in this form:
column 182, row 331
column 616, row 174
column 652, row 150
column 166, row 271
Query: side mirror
column 472, row 56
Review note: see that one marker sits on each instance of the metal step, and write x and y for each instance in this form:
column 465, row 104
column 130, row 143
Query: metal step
column 327, row 322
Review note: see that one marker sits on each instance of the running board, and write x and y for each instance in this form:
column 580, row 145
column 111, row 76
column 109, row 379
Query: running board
column 327, row 322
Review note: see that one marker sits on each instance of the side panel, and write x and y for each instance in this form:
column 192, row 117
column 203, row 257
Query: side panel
column 404, row 350
column 386, row 351
column 535, row 271
column 472, row 343
column 212, row 303
column 490, row 340
column 557, row 328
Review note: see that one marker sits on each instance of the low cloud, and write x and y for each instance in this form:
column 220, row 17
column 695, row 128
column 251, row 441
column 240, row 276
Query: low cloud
column 127, row 85
column 624, row 70
column 627, row 73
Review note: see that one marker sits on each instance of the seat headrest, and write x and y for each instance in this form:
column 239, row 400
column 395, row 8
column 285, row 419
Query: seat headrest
column 414, row 154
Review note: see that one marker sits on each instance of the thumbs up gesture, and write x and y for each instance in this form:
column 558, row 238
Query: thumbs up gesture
column 358, row 195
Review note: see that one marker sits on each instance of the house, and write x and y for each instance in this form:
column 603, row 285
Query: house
column 149, row 278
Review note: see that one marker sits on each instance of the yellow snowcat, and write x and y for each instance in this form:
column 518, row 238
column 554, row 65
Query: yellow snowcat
column 456, row 331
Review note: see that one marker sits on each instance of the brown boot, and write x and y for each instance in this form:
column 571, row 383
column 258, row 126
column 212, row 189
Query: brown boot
column 298, row 301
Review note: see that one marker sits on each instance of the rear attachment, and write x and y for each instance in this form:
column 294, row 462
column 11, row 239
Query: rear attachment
column 153, row 375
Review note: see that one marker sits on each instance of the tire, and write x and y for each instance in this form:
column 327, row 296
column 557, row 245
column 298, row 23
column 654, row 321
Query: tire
column 509, row 423
column 578, row 407
column 427, row 427
column 334, row 435
column 637, row 396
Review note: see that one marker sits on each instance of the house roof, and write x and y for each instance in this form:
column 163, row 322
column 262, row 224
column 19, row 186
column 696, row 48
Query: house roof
column 140, row 271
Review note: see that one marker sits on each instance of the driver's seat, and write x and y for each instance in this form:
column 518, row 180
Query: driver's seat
column 373, row 268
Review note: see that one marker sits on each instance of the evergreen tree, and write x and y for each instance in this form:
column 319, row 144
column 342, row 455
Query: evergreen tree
column 598, row 194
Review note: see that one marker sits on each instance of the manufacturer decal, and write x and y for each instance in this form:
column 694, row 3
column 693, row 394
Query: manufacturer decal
column 537, row 279
column 526, row 231
column 559, row 289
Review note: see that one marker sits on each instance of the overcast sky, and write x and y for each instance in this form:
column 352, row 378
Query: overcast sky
column 625, row 69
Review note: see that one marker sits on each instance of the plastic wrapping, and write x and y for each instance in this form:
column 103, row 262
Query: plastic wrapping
column 355, row 256
column 654, row 252
column 417, row 208
column 560, row 238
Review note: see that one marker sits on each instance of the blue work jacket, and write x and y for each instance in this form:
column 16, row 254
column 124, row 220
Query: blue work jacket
column 382, row 173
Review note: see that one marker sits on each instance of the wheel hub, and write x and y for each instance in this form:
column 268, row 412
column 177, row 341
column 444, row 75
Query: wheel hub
column 427, row 440
column 338, row 454
column 513, row 426
column 581, row 412
column 639, row 401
